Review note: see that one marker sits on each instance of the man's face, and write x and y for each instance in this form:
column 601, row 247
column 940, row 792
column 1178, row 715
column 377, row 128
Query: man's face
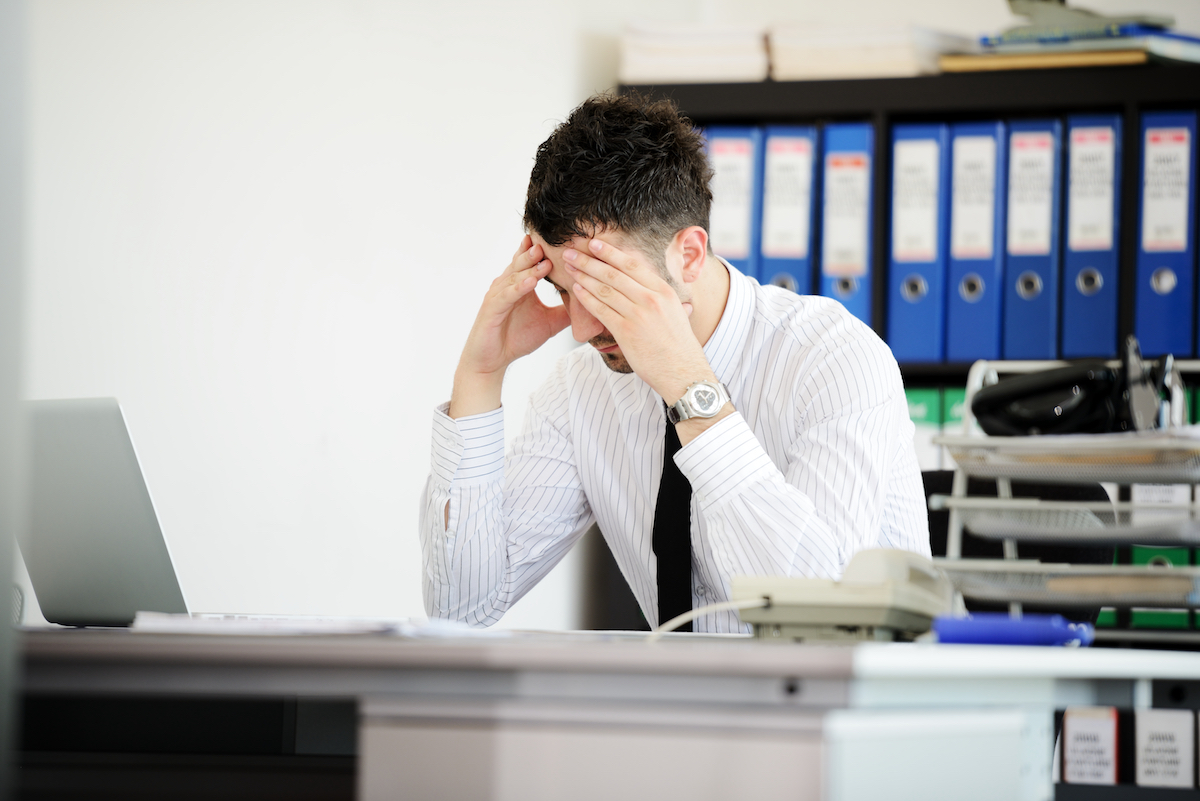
column 584, row 326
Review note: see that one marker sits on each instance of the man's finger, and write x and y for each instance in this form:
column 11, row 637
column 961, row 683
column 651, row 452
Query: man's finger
column 526, row 244
column 614, row 256
column 604, row 292
column 583, row 264
column 597, row 308
column 527, row 258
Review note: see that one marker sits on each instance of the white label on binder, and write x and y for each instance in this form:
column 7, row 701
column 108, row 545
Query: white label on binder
column 847, row 190
column 915, row 200
column 733, row 195
column 1165, row 747
column 1090, row 195
column 1030, row 193
column 787, row 197
column 1165, row 190
column 1143, row 495
column 1090, row 745
column 973, row 197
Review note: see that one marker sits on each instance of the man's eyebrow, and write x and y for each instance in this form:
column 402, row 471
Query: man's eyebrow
column 551, row 283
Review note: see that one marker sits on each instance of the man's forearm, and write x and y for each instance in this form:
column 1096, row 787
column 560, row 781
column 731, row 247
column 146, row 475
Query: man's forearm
column 475, row 393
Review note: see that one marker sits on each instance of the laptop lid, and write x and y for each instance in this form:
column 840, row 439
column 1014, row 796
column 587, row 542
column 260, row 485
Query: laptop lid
column 94, row 550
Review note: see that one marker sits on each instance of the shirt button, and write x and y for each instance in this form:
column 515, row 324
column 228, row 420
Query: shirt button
column 700, row 592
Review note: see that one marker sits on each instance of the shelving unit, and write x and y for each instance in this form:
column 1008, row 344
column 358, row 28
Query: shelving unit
column 954, row 97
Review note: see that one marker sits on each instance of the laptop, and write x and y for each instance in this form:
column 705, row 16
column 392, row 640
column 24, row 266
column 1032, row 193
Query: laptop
column 94, row 549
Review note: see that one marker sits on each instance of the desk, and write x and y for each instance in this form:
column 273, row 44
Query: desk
column 586, row 716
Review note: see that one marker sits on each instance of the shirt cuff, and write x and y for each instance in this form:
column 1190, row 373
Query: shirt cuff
column 720, row 461
column 469, row 449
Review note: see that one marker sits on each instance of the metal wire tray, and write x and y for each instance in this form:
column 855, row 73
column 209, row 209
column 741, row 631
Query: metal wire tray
column 1028, row 582
column 1074, row 522
column 1168, row 456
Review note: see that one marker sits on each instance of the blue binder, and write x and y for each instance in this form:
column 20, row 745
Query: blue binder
column 1166, row 261
column 846, row 178
column 1090, row 262
column 789, row 181
column 917, row 261
column 1031, row 247
column 736, row 155
column 974, row 293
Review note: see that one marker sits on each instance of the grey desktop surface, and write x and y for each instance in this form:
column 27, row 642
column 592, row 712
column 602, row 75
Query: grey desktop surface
column 426, row 707
column 94, row 550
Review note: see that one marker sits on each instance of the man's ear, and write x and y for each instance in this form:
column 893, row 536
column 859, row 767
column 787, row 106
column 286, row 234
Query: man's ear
column 692, row 245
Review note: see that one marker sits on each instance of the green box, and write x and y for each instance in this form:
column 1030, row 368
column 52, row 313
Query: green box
column 925, row 410
column 954, row 400
column 1107, row 618
column 1163, row 557
column 1194, row 405
column 1142, row 555
column 1158, row 619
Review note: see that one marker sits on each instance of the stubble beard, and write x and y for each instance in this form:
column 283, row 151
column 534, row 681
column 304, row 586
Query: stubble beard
column 613, row 361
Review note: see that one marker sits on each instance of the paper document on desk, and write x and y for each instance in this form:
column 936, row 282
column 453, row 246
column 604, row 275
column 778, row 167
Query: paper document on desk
column 162, row 623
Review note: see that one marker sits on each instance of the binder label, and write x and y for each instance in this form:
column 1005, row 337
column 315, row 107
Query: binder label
column 1030, row 193
column 847, row 190
column 1090, row 198
column 915, row 200
column 1165, row 190
column 732, row 187
column 1165, row 747
column 972, row 211
column 1090, row 745
column 787, row 193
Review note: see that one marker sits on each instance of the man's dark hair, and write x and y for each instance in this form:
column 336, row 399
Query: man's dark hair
column 625, row 162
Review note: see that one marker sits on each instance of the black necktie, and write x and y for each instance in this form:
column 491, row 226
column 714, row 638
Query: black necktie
column 672, row 538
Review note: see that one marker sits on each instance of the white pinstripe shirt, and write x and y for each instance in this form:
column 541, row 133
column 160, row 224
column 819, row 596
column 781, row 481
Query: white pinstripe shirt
column 817, row 464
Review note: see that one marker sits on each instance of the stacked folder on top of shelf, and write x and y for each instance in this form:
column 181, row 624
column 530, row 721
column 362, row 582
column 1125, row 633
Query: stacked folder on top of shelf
column 671, row 53
column 823, row 52
column 1111, row 45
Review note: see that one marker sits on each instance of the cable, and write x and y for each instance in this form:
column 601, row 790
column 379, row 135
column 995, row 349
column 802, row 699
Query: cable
column 687, row 617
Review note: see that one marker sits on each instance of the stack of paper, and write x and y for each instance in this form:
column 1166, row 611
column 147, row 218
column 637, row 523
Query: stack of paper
column 815, row 52
column 673, row 54
column 1115, row 45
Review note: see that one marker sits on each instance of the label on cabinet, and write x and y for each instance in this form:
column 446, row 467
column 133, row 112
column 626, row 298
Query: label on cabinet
column 1030, row 193
column 915, row 200
column 973, row 212
column 847, row 191
column 1165, row 190
column 787, row 196
column 733, row 188
column 1090, row 199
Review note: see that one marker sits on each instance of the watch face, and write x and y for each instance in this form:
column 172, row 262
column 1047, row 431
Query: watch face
column 705, row 399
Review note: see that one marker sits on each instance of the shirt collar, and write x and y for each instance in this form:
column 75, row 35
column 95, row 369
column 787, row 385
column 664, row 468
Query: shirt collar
column 725, row 345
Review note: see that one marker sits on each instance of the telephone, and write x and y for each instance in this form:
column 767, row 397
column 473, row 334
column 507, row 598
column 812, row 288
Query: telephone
column 885, row 594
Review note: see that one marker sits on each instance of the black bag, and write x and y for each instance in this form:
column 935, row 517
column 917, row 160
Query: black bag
column 1086, row 397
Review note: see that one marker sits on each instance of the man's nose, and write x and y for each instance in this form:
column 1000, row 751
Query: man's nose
column 583, row 325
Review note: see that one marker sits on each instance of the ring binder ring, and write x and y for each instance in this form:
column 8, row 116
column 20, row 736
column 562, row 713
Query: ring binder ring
column 1163, row 281
column 970, row 288
column 845, row 287
column 1029, row 285
column 914, row 288
column 787, row 282
column 1089, row 281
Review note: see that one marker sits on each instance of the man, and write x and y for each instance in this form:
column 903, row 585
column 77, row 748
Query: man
column 793, row 435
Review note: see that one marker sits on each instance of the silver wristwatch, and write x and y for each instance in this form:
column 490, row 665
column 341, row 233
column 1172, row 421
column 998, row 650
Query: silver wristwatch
column 702, row 399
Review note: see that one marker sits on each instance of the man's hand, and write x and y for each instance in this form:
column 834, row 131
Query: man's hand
column 643, row 313
column 512, row 322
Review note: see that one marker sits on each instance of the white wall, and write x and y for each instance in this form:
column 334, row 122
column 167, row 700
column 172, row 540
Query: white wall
column 265, row 226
